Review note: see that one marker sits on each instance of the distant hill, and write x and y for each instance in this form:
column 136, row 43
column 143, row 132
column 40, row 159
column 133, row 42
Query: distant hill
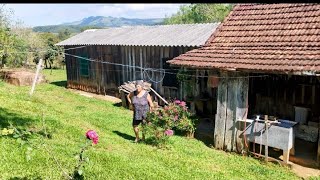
column 97, row 21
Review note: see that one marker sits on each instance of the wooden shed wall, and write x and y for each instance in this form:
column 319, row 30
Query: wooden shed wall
column 277, row 95
column 104, row 78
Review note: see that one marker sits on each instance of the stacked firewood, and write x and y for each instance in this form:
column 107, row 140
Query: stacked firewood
column 129, row 86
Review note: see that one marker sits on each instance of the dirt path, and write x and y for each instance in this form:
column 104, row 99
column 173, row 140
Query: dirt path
column 304, row 172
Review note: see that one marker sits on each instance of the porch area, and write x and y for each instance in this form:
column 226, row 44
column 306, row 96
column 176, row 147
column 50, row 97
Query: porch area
column 244, row 102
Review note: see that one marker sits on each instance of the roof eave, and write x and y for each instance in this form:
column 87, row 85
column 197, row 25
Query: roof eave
column 299, row 73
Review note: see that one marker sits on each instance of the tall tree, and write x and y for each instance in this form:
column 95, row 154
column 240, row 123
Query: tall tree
column 53, row 53
column 35, row 44
column 200, row 13
column 15, row 41
column 64, row 34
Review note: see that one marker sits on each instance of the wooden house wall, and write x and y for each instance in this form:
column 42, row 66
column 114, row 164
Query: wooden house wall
column 203, row 100
column 105, row 78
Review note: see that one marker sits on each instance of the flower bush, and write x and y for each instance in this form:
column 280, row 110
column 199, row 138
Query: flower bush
column 92, row 135
column 92, row 138
column 162, row 122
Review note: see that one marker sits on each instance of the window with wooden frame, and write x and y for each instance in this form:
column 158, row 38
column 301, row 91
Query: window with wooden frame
column 170, row 79
column 84, row 64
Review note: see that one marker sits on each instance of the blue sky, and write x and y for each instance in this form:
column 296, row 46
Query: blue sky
column 52, row 14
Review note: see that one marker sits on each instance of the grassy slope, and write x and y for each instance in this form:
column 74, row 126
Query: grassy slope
column 115, row 156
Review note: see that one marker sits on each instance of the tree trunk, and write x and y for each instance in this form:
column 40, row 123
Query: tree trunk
column 46, row 63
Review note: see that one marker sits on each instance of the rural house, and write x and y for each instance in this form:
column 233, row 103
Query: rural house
column 264, row 59
column 135, row 47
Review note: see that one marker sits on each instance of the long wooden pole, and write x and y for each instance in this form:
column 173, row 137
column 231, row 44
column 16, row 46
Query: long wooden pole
column 158, row 95
column 36, row 77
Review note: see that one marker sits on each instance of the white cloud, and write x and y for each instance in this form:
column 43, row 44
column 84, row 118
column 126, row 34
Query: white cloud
column 136, row 7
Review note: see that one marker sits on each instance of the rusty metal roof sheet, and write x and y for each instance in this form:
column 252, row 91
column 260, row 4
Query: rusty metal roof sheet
column 159, row 35
column 263, row 37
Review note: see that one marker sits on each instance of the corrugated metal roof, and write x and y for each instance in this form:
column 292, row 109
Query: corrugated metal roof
column 263, row 37
column 160, row 35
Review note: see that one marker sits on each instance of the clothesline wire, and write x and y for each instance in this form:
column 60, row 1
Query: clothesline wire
column 145, row 70
column 157, row 69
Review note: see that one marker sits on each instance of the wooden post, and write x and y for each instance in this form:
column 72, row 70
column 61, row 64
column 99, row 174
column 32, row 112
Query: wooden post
column 318, row 156
column 241, row 110
column 36, row 77
column 266, row 145
column 229, row 141
column 286, row 156
column 219, row 130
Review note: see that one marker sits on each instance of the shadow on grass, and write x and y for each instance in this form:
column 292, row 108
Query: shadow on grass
column 7, row 116
column 207, row 140
column 25, row 178
column 119, row 104
column 60, row 83
column 124, row 136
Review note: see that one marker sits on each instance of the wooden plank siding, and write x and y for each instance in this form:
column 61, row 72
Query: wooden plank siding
column 241, row 111
column 232, row 100
column 220, row 120
column 104, row 78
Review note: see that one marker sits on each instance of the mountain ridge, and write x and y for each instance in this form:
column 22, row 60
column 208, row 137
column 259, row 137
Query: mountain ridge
column 97, row 22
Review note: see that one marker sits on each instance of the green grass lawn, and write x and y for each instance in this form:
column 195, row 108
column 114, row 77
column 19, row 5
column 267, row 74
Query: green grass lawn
column 68, row 116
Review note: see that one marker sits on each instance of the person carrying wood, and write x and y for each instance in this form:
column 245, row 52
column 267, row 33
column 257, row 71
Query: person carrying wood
column 142, row 104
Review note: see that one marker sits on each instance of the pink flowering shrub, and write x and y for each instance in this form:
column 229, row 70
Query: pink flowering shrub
column 92, row 138
column 184, row 120
column 174, row 116
column 168, row 132
column 92, row 135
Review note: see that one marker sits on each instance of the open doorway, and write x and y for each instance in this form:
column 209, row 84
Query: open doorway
column 205, row 105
